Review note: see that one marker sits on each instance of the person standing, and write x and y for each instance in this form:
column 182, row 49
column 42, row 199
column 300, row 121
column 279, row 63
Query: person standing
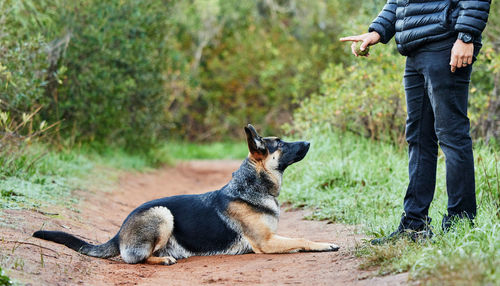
column 440, row 40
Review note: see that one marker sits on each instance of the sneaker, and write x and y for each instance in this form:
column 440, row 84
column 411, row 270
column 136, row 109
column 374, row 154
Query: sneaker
column 448, row 223
column 415, row 235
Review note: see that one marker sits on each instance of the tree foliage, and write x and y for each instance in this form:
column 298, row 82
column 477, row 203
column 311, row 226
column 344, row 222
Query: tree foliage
column 133, row 72
column 365, row 97
column 235, row 62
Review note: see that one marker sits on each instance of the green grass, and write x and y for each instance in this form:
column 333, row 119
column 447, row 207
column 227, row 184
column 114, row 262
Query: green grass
column 32, row 177
column 216, row 150
column 35, row 176
column 354, row 180
column 4, row 280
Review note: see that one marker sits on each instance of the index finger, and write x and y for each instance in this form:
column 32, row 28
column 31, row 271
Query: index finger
column 453, row 63
column 351, row 38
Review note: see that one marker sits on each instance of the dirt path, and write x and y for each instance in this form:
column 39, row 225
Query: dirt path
column 101, row 214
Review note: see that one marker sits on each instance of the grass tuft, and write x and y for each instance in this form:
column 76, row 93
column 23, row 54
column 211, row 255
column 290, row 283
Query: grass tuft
column 4, row 279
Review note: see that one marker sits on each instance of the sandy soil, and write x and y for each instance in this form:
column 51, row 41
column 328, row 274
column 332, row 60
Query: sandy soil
column 100, row 215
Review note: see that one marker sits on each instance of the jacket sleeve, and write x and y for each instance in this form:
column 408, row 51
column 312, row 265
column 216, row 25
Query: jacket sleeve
column 385, row 22
column 472, row 16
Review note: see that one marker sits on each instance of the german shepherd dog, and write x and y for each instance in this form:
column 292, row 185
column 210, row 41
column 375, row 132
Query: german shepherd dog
column 241, row 217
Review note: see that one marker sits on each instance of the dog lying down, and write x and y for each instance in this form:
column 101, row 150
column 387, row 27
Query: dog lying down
column 241, row 217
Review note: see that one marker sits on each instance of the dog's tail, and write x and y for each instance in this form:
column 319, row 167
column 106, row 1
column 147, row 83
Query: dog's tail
column 105, row 250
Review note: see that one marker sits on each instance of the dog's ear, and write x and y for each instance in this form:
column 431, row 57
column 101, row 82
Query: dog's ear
column 256, row 145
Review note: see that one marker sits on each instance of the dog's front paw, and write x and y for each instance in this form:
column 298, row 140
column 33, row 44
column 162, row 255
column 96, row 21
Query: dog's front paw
column 169, row 260
column 326, row 247
column 334, row 247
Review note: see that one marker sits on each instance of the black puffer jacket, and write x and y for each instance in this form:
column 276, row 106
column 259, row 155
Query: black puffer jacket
column 417, row 22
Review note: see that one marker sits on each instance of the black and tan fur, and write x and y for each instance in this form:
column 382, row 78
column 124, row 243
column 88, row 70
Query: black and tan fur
column 241, row 217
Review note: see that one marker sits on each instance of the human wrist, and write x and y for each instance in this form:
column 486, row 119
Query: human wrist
column 375, row 36
column 466, row 38
column 462, row 43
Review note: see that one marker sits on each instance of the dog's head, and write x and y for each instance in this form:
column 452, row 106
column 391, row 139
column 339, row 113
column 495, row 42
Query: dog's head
column 273, row 153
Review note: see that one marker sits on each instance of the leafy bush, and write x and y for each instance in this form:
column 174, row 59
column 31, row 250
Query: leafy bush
column 485, row 92
column 95, row 66
column 23, row 62
column 112, row 87
column 366, row 97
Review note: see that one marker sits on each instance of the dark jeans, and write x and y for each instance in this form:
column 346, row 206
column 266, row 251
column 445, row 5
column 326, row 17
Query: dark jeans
column 437, row 114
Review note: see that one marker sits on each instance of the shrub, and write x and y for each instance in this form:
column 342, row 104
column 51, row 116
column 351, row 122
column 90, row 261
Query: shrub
column 112, row 87
column 366, row 97
column 95, row 67
column 23, row 62
column 485, row 92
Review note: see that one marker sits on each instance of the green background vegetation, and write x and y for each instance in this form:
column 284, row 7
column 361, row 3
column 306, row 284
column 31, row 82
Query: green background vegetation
column 130, row 85
column 133, row 73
